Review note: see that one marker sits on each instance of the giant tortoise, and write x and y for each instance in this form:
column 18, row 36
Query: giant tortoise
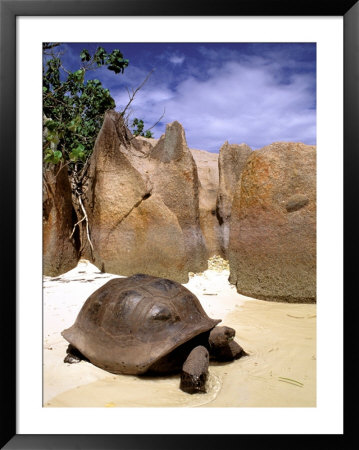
column 145, row 324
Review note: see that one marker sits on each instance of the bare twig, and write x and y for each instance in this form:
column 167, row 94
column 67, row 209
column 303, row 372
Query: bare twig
column 126, row 118
column 134, row 92
column 49, row 45
column 87, row 224
column 84, row 218
column 159, row 120
column 52, row 53
column 77, row 223
column 82, row 172
column 61, row 167
column 65, row 70
column 58, row 101
column 85, row 138
column 77, row 184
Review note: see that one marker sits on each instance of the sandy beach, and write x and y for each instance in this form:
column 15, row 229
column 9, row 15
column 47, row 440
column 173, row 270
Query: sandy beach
column 280, row 339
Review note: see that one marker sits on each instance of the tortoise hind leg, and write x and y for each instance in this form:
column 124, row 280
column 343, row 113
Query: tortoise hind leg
column 73, row 355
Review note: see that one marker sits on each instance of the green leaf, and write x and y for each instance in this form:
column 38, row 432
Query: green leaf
column 58, row 154
column 54, row 138
column 85, row 55
column 114, row 68
column 51, row 125
column 80, row 148
column 76, row 108
column 74, row 124
column 79, row 75
column 100, row 55
column 53, row 157
column 72, row 127
column 76, row 155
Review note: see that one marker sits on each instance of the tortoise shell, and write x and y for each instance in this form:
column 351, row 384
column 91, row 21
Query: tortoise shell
column 129, row 324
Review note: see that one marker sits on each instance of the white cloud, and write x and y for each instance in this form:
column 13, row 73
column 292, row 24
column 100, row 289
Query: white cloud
column 176, row 59
column 238, row 102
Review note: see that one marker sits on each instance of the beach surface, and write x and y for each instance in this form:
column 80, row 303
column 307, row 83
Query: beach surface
column 279, row 338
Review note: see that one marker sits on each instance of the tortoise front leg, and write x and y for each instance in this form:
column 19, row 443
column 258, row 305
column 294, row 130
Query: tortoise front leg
column 195, row 371
column 222, row 346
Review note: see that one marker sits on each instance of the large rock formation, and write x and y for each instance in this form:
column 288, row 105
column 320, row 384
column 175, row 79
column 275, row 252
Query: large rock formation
column 207, row 167
column 231, row 161
column 272, row 244
column 132, row 230
column 169, row 169
column 207, row 171
column 173, row 173
column 60, row 252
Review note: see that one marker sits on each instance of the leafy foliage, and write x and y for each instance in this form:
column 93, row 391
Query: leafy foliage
column 73, row 107
column 138, row 131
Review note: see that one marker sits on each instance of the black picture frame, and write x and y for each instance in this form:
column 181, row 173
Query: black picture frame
column 9, row 10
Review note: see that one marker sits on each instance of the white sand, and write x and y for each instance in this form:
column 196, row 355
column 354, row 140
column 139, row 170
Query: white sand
column 279, row 337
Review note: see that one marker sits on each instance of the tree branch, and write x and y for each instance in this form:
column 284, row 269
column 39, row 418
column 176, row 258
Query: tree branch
column 77, row 223
column 159, row 120
column 132, row 96
column 49, row 45
column 61, row 167
column 87, row 224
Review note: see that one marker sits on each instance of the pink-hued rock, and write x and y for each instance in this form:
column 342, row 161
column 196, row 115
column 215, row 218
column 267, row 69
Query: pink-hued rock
column 173, row 174
column 207, row 170
column 132, row 230
column 272, row 244
column 207, row 167
column 231, row 161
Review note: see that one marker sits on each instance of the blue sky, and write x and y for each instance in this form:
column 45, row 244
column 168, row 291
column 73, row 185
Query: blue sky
column 247, row 92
